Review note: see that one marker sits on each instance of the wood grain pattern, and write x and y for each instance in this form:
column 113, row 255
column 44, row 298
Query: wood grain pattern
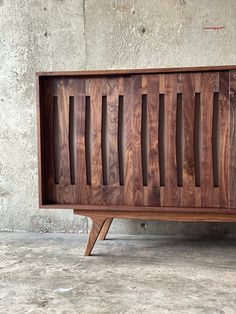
column 94, row 89
column 232, row 144
column 63, row 132
column 171, row 195
column 102, row 219
column 140, row 134
column 131, row 208
column 153, row 115
column 136, row 98
column 209, row 195
column 128, row 151
column 112, row 122
column 97, row 225
column 83, row 191
column 189, row 187
column 224, row 138
column 112, row 111
column 105, row 229
column 65, row 190
column 170, row 216
column 139, row 71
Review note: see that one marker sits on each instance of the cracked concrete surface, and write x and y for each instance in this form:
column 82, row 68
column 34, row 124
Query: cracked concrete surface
column 40, row 35
column 47, row 273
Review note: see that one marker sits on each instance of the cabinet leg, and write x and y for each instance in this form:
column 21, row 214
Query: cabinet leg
column 105, row 229
column 97, row 225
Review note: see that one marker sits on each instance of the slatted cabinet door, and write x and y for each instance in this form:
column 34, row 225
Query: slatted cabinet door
column 184, row 136
column 143, row 140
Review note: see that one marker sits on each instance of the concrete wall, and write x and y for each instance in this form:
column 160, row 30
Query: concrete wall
column 75, row 34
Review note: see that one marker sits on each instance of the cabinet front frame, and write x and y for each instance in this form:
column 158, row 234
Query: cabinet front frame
column 230, row 184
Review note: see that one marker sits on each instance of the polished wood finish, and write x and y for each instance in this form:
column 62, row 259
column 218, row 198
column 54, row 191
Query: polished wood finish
column 232, row 141
column 138, row 71
column 224, row 147
column 89, row 148
column 161, row 215
column 105, row 229
column 152, row 83
column 97, row 224
column 148, row 144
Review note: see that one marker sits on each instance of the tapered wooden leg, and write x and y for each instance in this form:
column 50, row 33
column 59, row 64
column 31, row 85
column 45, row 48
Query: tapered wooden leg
column 105, row 228
column 97, row 225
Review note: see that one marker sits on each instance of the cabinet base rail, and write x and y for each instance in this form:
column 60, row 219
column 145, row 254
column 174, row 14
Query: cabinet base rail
column 102, row 219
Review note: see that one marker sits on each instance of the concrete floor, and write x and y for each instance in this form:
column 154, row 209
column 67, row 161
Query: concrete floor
column 47, row 273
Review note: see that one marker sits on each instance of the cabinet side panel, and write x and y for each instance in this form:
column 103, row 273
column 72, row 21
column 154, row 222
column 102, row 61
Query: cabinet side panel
column 40, row 127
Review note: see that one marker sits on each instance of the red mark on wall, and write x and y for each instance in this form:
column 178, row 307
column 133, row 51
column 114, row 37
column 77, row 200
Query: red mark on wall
column 214, row 27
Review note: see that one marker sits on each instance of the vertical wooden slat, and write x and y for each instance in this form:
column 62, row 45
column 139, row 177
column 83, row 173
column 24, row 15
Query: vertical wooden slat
column 188, row 197
column 209, row 196
column 232, row 146
column 81, row 181
column 206, row 118
column 215, row 194
column 112, row 122
column 224, row 137
column 128, row 138
column 136, row 98
column 171, row 192
column 153, row 116
column 94, row 89
column 65, row 191
column 63, row 132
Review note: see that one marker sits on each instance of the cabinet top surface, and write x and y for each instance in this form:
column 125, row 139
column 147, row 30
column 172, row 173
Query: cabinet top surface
column 138, row 71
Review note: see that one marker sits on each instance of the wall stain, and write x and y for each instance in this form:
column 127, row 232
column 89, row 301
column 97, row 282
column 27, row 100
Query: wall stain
column 121, row 6
column 1, row 3
column 215, row 28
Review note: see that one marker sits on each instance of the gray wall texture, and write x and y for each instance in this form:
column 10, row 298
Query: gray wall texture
column 53, row 35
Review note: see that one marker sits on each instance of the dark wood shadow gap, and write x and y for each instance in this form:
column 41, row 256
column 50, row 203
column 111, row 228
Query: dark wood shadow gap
column 161, row 138
column 88, row 139
column 72, row 138
column 121, row 139
column 197, row 139
column 56, row 140
column 215, row 139
column 179, row 140
column 144, row 140
column 104, row 141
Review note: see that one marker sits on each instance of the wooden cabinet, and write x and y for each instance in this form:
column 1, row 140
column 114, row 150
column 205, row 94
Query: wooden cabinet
column 148, row 144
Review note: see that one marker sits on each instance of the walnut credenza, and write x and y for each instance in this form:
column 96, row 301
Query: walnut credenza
column 145, row 144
